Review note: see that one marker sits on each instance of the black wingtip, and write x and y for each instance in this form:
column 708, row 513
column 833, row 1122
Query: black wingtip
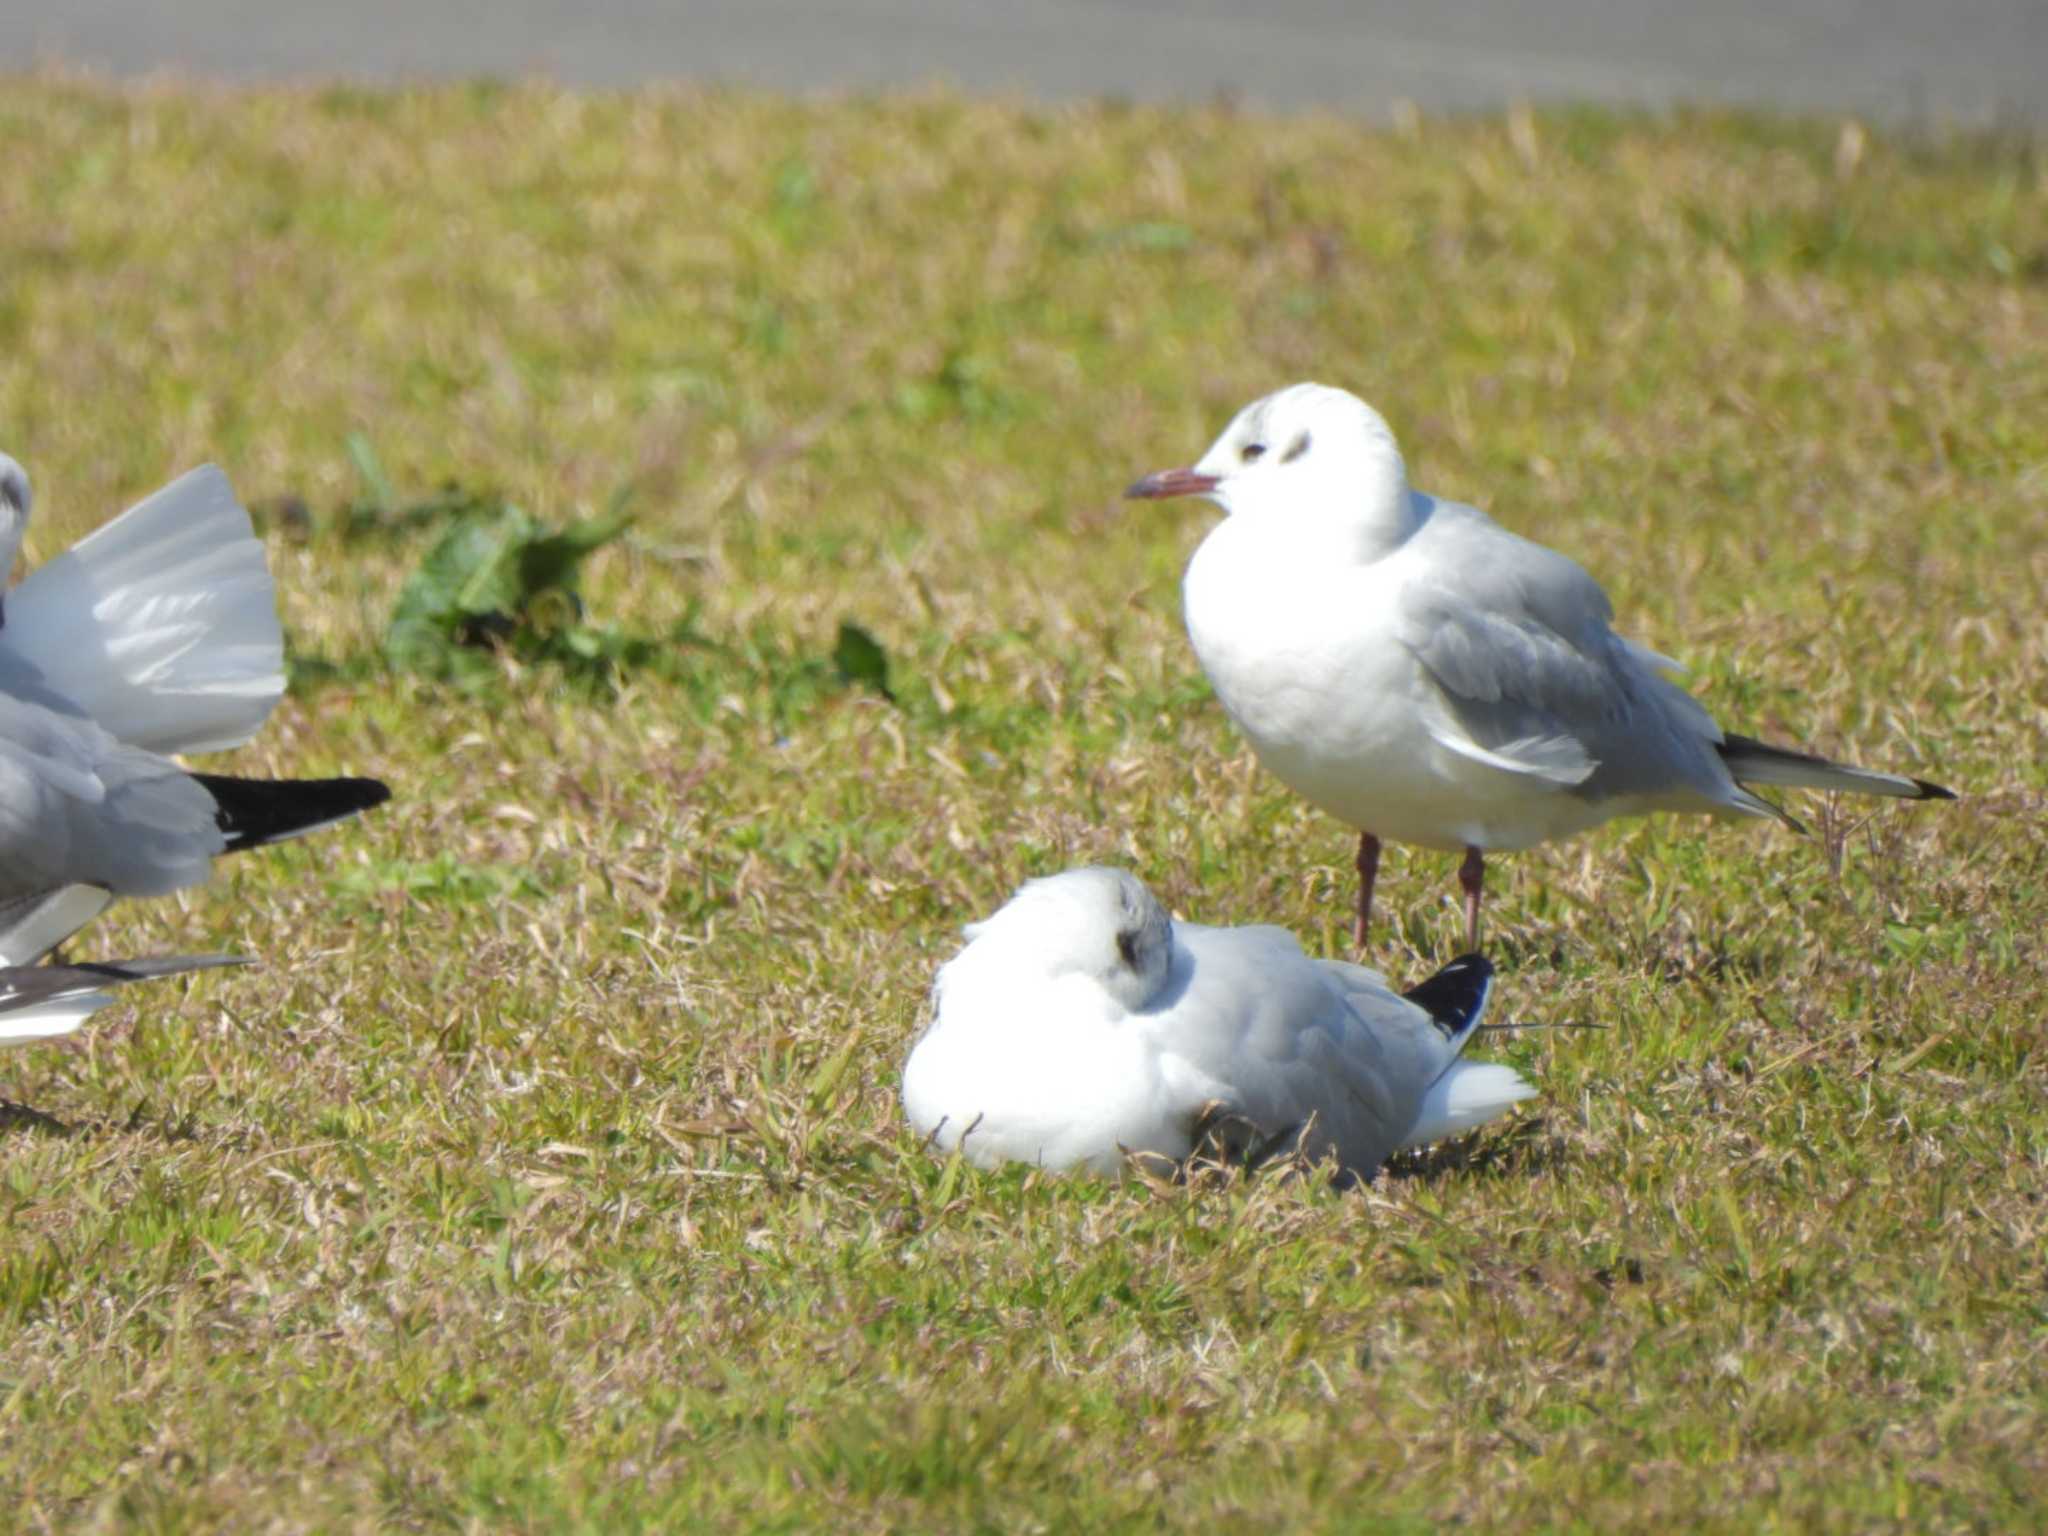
column 252, row 812
column 1933, row 791
column 1454, row 997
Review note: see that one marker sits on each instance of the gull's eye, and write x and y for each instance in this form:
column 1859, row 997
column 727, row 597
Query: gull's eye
column 1251, row 453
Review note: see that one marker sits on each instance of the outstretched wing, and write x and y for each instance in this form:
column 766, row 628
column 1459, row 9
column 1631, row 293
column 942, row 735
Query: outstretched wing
column 161, row 625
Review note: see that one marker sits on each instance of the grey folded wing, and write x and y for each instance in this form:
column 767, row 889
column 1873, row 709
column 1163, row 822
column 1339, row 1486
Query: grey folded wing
column 1534, row 680
column 1361, row 1067
column 1388, row 1052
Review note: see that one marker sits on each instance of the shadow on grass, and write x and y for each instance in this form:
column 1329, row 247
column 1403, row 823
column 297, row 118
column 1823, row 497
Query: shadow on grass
column 21, row 1117
column 1671, row 954
column 1519, row 1151
column 26, row 1117
column 1668, row 956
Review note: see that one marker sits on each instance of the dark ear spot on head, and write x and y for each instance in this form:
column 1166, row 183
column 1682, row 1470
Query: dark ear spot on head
column 1295, row 449
column 1127, row 946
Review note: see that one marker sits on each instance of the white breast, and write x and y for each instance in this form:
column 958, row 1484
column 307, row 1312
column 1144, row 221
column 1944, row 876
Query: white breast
column 1306, row 661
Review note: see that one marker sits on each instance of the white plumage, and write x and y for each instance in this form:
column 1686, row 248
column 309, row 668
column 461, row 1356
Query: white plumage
column 24, row 1020
column 1427, row 677
column 1080, row 1024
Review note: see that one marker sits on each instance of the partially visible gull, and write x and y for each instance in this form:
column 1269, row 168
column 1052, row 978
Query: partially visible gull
column 154, row 634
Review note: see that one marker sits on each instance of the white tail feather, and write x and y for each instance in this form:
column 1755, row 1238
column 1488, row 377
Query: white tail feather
column 1469, row 1094
column 45, row 1021
column 162, row 624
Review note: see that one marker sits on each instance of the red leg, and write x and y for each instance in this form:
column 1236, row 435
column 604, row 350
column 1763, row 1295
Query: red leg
column 1368, row 872
column 1472, row 876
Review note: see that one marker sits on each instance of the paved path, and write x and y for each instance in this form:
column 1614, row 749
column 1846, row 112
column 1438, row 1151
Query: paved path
column 1967, row 61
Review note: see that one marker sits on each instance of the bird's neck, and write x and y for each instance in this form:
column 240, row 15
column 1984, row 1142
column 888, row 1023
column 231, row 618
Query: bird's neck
column 1389, row 518
column 1330, row 538
column 1364, row 513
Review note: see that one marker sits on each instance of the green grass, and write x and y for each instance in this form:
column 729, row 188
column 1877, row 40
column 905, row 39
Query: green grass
column 549, row 1175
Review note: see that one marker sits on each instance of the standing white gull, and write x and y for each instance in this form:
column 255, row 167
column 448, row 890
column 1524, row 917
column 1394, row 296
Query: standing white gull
column 38, row 1002
column 1081, row 1024
column 1427, row 677
column 156, row 633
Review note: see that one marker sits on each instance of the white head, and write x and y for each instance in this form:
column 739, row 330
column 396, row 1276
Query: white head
column 1094, row 922
column 1311, row 460
column 14, row 505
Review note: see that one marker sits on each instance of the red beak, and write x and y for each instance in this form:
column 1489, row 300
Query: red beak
column 1171, row 482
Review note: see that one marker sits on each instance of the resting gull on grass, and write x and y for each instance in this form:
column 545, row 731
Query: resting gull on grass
column 1081, row 1025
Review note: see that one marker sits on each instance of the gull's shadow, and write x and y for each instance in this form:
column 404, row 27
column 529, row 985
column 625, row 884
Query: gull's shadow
column 1524, row 1149
column 1731, row 955
column 1225, row 1154
column 24, row 1117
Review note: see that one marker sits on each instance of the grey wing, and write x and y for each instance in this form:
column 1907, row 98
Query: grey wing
column 1277, row 1037
column 1515, row 695
column 1532, row 677
column 1386, row 1052
column 78, row 807
column 1231, row 1028
column 23, row 681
